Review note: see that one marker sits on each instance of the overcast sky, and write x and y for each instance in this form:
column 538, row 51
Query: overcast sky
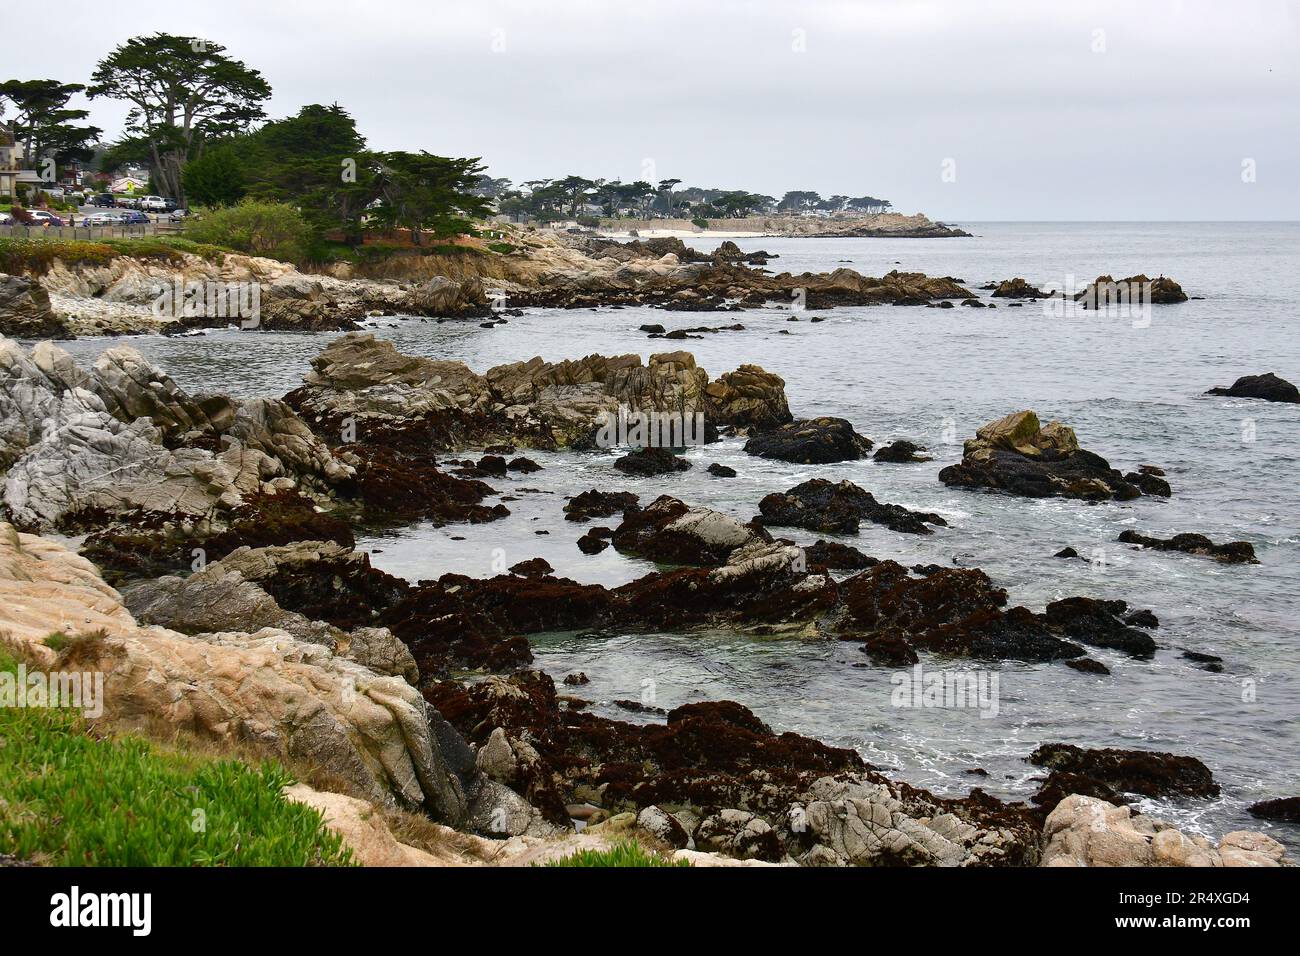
column 1035, row 110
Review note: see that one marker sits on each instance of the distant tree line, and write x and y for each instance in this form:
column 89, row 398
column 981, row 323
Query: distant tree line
column 575, row 198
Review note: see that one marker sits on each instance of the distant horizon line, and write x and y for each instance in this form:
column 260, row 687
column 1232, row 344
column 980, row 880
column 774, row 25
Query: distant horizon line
column 949, row 221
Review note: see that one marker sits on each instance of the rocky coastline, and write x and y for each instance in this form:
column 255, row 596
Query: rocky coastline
column 203, row 547
column 70, row 291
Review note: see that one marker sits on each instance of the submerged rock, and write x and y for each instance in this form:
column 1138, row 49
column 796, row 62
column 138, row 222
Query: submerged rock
column 1267, row 386
column 1232, row 552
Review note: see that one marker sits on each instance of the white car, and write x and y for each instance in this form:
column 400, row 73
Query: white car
column 153, row 204
column 101, row 219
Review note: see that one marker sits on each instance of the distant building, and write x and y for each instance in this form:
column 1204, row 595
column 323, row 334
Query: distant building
column 129, row 184
column 10, row 155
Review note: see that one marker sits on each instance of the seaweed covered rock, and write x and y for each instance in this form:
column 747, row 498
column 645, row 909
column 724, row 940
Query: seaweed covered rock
column 1117, row 772
column 1283, row 809
column 810, row 441
column 670, row 531
column 728, row 782
column 837, row 508
column 599, row 504
column 651, row 461
column 458, row 622
column 900, row 452
column 1016, row 455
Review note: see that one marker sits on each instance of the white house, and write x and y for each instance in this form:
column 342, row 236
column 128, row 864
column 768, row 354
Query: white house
column 129, row 184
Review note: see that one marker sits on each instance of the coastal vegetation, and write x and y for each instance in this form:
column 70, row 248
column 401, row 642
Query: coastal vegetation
column 623, row 854
column 35, row 255
column 72, row 794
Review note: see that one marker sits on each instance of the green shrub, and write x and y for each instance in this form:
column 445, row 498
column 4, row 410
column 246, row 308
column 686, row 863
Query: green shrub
column 620, row 854
column 504, row 248
column 271, row 229
column 68, row 798
column 35, row 255
column 701, row 222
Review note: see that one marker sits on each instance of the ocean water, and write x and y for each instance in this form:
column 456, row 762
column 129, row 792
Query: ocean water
column 1132, row 390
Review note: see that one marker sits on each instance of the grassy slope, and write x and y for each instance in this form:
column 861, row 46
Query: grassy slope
column 627, row 854
column 70, row 797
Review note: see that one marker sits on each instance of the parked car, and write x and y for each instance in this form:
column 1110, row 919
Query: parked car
column 127, row 202
column 178, row 215
column 134, row 218
column 153, row 204
column 103, row 199
column 101, row 219
column 40, row 217
column 6, row 219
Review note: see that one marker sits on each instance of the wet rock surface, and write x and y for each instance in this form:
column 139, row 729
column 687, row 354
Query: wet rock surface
column 1017, row 456
column 1267, row 386
column 810, row 441
column 599, row 504
column 715, row 775
column 651, row 461
column 900, row 452
column 670, row 531
column 1283, row 809
column 837, row 508
column 1231, row 552
column 1111, row 774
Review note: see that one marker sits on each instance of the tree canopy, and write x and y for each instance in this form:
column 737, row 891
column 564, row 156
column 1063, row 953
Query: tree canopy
column 182, row 91
column 42, row 122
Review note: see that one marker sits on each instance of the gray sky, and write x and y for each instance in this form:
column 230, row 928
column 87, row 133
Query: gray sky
column 1047, row 110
